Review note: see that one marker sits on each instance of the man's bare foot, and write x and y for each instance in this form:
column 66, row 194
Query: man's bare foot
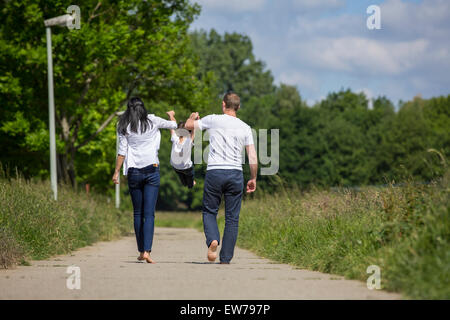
column 147, row 258
column 212, row 254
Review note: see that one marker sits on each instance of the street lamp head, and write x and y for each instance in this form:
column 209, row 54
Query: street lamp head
column 60, row 21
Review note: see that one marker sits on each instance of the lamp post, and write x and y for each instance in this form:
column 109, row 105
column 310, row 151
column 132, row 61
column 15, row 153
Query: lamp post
column 57, row 21
column 117, row 186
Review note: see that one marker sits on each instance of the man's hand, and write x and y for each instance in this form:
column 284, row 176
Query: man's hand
column 115, row 177
column 251, row 185
column 253, row 162
column 190, row 122
column 194, row 116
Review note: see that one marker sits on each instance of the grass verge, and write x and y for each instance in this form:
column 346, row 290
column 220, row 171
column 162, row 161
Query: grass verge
column 169, row 219
column 33, row 226
column 403, row 230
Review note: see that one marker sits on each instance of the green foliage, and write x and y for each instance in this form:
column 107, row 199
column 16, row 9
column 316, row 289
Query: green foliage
column 230, row 57
column 339, row 141
column 123, row 48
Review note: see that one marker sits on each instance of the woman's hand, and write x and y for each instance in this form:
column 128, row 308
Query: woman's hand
column 115, row 177
column 171, row 113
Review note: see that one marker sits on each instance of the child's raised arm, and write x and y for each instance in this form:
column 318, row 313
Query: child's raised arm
column 171, row 115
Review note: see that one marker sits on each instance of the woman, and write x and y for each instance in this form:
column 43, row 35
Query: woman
column 139, row 139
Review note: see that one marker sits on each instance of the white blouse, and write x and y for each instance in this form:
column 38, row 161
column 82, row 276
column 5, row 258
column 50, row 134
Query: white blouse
column 141, row 150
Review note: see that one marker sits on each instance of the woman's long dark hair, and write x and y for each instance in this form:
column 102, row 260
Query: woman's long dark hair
column 134, row 115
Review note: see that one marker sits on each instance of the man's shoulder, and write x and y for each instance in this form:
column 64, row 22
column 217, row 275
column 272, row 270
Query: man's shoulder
column 210, row 116
column 244, row 123
column 224, row 121
column 238, row 123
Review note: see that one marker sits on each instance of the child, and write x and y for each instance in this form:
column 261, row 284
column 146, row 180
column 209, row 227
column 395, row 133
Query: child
column 180, row 157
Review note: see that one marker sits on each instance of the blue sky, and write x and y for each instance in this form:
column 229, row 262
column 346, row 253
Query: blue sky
column 324, row 45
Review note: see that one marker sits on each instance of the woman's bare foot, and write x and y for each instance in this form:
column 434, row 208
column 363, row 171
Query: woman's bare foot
column 141, row 256
column 147, row 258
column 212, row 254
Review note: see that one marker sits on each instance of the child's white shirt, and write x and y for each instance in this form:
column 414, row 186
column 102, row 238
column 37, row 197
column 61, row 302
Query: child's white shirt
column 180, row 157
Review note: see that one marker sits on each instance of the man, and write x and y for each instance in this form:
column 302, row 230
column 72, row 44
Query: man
column 228, row 136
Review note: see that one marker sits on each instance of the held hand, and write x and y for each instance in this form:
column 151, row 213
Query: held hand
column 194, row 116
column 115, row 178
column 251, row 185
column 171, row 113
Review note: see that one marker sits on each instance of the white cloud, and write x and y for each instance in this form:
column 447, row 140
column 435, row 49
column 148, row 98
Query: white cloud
column 428, row 18
column 232, row 5
column 305, row 80
column 336, row 26
column 307, row 5
column 322, row 53
column 360, row 55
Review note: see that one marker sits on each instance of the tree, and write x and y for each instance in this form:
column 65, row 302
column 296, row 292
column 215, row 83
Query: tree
column 123, row 48
column 230, row 57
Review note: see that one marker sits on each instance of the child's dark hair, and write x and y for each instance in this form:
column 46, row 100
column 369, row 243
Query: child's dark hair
column 181, row 125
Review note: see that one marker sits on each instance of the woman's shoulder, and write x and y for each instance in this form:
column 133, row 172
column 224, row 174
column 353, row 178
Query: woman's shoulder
column 154, row 118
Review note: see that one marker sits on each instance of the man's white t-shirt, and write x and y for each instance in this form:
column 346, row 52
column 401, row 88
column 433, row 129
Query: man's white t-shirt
column 180, row 157
column 141, row 149
column 228, row 136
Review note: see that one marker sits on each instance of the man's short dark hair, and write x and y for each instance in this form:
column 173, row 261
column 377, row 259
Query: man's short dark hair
column 232, row 101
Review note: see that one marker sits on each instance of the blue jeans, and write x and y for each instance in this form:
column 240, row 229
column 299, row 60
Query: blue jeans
column 144, row 185
column 229, row 183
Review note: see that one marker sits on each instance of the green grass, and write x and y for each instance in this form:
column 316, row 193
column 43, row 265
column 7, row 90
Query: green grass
column 171, row 219
column 33, row 226
column 404, row 230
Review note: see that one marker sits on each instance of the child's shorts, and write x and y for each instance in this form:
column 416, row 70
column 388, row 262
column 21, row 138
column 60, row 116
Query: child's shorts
column 186, row 176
